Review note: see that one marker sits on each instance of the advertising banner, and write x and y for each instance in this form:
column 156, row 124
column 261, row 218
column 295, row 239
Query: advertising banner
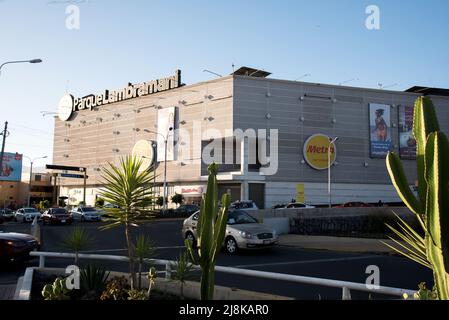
column 407, row 142
column 165, row 121
column 12, row 167
column 380, row 130
column 300, row 192
column 315, row 151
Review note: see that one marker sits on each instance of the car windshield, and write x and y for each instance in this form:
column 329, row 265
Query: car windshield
column 240, row 217
column 87, row 209
column 59, row 211
column 30, row 210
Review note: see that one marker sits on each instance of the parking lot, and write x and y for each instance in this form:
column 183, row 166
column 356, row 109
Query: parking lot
column 166, row 236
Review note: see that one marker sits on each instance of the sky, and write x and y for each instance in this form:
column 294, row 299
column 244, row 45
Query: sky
column 122, row 41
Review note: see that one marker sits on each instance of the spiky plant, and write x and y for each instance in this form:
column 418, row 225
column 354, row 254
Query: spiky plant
column 431, row 207
column 78, row 240
column 183, row 268
column 211, row 231
column 128, row 187
column 144, row 249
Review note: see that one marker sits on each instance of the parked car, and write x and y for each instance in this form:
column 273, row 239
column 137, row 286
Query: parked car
column 86, row 214
column 6, row 214
column 56, row 215
column 242, row 232
column 111, row 206
column 16, row 247
column 296, row 205
column 26, row 214
column 246, row 205
column 354, row 204
column 186, row 209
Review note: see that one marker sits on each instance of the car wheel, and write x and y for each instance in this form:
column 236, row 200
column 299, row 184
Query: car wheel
column 231, row 245
column 191, row 238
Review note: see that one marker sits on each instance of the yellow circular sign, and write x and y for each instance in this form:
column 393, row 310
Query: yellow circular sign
column 315, row 151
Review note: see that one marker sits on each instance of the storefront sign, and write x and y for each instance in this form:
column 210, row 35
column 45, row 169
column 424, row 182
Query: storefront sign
column 300, row 192
column 407, row 142
column 316, row 151
column 68, row 104
column 380, row 130
column 190, row 190
column 144, row 150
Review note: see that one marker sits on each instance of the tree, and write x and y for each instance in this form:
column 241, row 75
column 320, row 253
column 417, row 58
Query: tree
column 160, row 201
column 177, row 198
column 128, row 187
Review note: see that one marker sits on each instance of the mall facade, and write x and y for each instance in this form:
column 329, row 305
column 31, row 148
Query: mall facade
column 292, row 121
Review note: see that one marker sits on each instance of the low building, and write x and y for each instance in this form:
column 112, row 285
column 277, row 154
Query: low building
column 215, row 120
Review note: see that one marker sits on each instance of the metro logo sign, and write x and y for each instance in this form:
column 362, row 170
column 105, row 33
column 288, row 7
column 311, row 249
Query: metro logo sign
column 315, row 151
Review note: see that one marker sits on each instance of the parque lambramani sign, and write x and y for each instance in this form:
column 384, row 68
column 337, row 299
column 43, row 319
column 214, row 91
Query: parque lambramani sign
column 68, row 104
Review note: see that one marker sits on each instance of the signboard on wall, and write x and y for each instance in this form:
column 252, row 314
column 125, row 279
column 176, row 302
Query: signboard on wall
column 300, row 192
column 143, row 149
column 315, row 151
column 380, row 130
column 12, row 167
column 407, row 142
column 165, row 121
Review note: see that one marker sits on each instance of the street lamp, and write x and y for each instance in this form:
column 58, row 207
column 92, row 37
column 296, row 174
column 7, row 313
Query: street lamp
column 164, row 202
column 20, row 61
column 31, row 175
column 331, row 142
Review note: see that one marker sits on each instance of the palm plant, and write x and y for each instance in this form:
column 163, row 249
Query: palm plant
column 78, row 240
column 144, row 249
column 183, row 267
column 128, row 187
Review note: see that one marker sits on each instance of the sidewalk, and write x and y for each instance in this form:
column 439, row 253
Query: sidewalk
column 343, row 244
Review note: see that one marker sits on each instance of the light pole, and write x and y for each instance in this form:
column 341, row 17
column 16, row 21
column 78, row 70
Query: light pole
column 31, row 176
column 331, row 142
column 164, row 202
column 19, row 61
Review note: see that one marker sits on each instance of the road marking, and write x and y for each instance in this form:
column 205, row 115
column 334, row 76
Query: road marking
column 304, row 262
column 114, row 250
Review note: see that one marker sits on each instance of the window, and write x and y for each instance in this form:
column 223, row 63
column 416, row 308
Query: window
column 37, row 177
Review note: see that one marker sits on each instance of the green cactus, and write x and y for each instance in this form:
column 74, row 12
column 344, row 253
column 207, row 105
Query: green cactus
column 211, row 230
column 56, row 291
column 432, row 205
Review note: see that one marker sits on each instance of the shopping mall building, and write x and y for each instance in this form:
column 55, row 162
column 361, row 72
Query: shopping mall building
column 217, row 120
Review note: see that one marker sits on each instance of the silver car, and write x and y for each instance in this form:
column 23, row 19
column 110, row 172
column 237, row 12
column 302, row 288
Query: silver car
column 242, row 232
column 86, row 214
column 26, row 214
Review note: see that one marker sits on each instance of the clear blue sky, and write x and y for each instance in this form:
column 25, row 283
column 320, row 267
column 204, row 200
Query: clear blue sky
column 121, row 41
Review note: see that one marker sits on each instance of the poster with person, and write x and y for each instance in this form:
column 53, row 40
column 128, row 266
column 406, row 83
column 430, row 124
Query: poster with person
column 166, row 120
column 12, row 167
column 380, row 130
column 407, row 142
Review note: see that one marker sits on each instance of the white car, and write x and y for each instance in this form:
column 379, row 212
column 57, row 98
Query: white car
column 86, row 214
column 26, row 214
column 295, row 205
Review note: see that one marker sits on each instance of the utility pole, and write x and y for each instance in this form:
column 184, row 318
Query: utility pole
column 4, row 134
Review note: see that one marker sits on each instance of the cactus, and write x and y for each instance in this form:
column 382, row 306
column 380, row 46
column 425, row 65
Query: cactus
column 211, row 231
column 432, row 205
column 56, row 291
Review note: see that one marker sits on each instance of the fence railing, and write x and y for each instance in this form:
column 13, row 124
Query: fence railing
column 345, row 286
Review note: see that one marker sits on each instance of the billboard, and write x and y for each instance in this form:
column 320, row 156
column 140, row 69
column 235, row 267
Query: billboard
column 380, row 130
column 12, row 167
column 165, row 121
column 315, row 151
column 407, row 142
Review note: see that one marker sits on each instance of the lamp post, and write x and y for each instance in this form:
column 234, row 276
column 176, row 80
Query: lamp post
column 164, row 202
column 19, row 61
column 31, row 176
column 331, row 142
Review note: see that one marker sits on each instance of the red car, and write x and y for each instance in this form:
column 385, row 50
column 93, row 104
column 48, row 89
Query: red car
column 56, row 216
column 16, row 247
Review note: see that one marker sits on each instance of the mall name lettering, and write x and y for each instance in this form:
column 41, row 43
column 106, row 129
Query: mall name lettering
column 130, row 92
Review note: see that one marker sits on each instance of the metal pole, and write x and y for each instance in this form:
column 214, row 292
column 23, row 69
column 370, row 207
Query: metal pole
column 29, row 186
column 154, row 183
column 5, row 131
column 84, row 186
column 164, row 203
column 329, row 174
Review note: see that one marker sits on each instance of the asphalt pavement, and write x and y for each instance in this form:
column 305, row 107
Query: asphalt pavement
column 166, row 236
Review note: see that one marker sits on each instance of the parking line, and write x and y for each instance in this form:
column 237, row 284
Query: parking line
column 304, row 262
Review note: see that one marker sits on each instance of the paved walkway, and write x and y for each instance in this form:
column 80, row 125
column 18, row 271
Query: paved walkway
column 7, row 291
column 343, row 244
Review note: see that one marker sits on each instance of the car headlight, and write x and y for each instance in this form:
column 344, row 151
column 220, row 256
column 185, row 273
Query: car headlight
column 245, row 234
column 16, row 244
